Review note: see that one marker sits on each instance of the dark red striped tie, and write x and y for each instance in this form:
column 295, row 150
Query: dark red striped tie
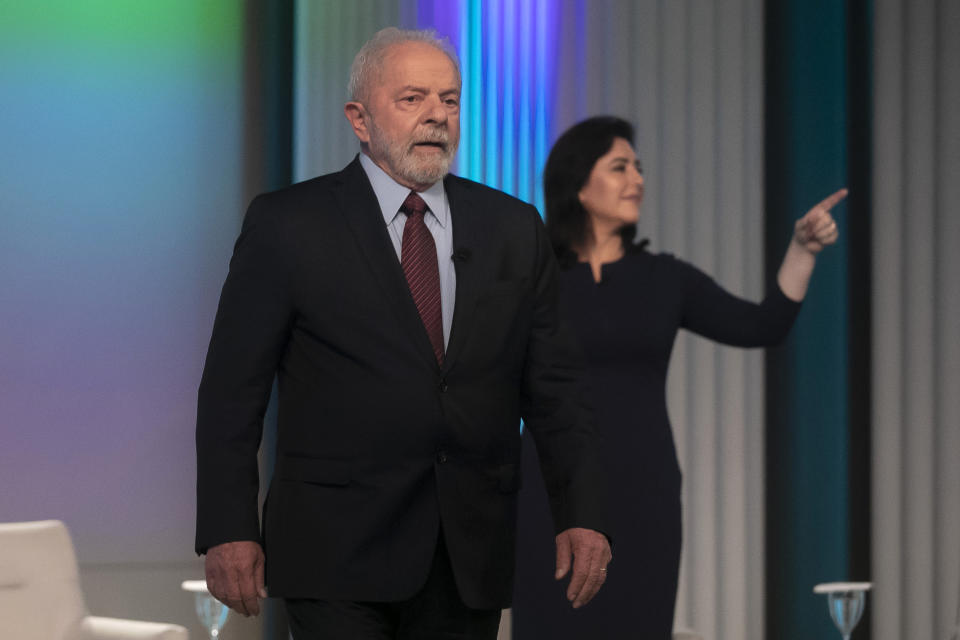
column 418, row 257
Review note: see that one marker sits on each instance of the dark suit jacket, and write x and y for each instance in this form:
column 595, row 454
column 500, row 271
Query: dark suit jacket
column 377, row 445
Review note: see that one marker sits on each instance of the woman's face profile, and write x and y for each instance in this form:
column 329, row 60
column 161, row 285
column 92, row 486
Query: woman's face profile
column 614, row 190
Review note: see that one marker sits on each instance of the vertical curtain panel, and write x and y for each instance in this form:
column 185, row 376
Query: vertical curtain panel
column 916, row 305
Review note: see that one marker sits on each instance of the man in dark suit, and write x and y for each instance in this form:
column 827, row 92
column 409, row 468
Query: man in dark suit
column 411, row 320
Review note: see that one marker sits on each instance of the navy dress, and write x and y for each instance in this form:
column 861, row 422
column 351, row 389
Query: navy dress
column 627, row 324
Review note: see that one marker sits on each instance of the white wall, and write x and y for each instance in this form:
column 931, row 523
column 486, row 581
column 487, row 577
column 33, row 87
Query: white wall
column 121, row 192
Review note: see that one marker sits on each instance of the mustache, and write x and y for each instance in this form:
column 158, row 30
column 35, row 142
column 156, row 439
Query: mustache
column 433, row 135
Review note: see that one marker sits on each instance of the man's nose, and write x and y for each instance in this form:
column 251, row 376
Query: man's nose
column 434, row 111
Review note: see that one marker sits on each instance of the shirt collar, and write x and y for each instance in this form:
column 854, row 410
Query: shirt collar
column 390, row 194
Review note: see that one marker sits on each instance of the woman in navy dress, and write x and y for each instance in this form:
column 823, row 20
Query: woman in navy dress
column 626, row 306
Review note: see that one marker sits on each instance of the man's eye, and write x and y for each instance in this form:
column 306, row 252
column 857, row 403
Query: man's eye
column 452, row 102
column 409, row 99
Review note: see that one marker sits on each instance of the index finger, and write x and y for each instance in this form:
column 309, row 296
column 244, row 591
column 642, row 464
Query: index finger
column 563, row 556
column 833, row 199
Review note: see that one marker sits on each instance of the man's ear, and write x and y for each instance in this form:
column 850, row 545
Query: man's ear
column 357, row 115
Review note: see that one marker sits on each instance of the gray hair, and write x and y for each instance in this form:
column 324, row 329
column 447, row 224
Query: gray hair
column 369, row 60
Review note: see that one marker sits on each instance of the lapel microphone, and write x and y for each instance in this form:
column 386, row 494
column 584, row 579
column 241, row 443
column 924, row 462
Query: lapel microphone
column 461, row 255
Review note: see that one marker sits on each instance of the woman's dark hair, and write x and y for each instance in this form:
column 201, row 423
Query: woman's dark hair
column 568, row 168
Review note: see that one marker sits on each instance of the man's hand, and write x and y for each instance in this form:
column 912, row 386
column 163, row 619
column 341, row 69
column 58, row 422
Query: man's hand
column 235, row 575
column 591, row 555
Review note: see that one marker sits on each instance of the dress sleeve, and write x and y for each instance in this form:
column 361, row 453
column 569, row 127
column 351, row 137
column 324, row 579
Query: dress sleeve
column 712, row 312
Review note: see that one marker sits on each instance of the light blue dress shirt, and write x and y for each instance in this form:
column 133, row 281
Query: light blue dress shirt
column 391, row 195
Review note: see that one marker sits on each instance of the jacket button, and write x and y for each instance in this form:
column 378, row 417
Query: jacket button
column 441, row 456
column 443, row 385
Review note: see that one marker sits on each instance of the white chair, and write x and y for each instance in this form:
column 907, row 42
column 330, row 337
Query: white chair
column 40, row 596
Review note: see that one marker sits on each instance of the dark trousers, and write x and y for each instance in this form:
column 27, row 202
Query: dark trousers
column 436, row 612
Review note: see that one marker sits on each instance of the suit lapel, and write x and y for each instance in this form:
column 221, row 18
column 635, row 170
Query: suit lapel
column 361, row 212
column 470, row 238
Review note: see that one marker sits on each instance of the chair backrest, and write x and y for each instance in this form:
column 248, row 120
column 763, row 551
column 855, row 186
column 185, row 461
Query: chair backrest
column 40, row 595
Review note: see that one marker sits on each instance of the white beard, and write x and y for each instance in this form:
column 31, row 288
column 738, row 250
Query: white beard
column 404, row 163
